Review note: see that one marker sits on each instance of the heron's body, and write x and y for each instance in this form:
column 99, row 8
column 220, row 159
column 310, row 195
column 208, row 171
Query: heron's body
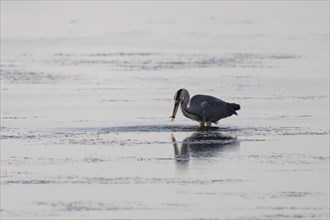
column 203, row 108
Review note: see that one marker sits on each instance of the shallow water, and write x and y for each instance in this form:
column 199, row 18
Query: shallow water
column 85, row 108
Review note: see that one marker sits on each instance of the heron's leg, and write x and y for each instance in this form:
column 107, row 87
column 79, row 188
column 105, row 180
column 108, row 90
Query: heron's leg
column 202, row 124
column 208, row 124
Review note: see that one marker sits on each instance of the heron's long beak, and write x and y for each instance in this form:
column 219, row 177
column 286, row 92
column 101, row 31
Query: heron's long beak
column 175, row 109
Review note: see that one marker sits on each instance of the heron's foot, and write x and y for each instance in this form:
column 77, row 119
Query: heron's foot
column 208, row 124
column 205, row 124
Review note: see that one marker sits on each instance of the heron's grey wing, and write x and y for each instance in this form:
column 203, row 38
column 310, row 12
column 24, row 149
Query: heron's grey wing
column 210, row 108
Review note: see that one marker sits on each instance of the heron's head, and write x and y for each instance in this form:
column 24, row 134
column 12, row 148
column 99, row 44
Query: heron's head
column 178, row 97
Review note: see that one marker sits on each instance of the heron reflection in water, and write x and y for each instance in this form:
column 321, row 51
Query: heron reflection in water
column 203, row 144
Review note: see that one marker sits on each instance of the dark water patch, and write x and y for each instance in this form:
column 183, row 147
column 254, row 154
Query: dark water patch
column 113, row 136
column 289, row 116
column 304, row 116
column 252, row 139
column 276, row 131
column 153, row 128
column 135, row 129
column 25, row 161
column 270, row 195
column 128, row 61
column 285, row 208
column 102, row 89
column 32, row 77
column 162, row 100
column 17, row 117
column 281, row 97
column 80, row 206
column 116, row 100
column 20, row 134
column 14, row 76
column 235, row 130
column 119, row 180
column 83, row 206
column 312, row 97
column 306, row 214
column 14, row 174
column 123, row 54
column 288, row 159
column 291, row 194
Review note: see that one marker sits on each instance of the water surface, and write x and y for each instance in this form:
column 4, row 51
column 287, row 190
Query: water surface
column 86, row 99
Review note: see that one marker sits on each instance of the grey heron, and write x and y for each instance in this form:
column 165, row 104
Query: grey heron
column 202, row 108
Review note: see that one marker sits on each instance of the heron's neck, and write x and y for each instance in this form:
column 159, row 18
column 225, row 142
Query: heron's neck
column 185, row 103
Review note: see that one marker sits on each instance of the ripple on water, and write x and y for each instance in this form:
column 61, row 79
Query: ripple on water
column 116, row 136
column 76, row 206
column 118, row 180
column 161, row 61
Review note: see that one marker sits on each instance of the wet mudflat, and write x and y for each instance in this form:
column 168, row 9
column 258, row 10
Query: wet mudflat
column 85, row 129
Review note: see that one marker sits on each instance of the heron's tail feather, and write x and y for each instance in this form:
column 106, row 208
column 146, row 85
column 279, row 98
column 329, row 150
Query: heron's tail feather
column 235, row 106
